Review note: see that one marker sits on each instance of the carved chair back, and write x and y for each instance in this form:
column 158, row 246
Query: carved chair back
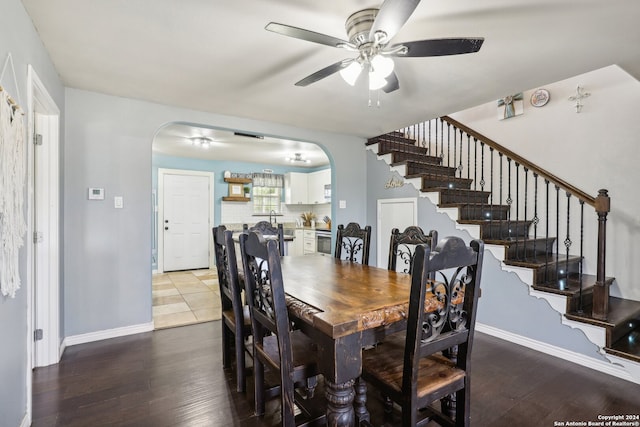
column 353, row 242
column 402, row 246
column 235, row 327
column 432, row 361
column 449, row 329
column 267, row 229
column 267, row 305
column 226, row 264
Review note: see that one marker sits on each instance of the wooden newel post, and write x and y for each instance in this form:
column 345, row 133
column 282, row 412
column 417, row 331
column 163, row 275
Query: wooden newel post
column 601, row 289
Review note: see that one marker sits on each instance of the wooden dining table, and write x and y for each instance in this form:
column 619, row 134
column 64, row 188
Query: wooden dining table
column 344, row 307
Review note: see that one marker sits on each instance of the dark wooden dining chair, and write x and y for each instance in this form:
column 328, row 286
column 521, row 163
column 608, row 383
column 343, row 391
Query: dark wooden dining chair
column 353, row 242
column 236, row 322
column 276, row 345
column 433, row 360
column 402, row 245
column 267, row 229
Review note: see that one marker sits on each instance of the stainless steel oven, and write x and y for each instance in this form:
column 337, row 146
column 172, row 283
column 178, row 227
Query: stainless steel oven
column 323, row 242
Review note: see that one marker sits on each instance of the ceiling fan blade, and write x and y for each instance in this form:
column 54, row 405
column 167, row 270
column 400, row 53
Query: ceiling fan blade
column 325, row 72
column 439, row 47
column 392, row 83
column 307, row 35
column 392, row 16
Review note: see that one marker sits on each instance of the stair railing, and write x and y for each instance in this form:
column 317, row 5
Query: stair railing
column 516, row 203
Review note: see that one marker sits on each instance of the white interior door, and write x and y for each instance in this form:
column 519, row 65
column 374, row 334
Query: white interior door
column 393, row 213
column 42, row 239
column 185, row 223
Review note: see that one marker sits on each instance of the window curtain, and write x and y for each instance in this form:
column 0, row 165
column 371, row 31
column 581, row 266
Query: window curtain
column 268, row 180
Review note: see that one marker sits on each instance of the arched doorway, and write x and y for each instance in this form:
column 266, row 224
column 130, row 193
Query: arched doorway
column 240, row 156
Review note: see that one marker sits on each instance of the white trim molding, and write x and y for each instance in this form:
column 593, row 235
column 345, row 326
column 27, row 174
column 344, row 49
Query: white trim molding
column 559, row 352
column 106, row 334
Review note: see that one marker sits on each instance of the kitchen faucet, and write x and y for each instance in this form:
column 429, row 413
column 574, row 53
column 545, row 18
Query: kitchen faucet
column 275, row 219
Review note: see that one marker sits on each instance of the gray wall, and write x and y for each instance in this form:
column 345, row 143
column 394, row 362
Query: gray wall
column 107, row 251
column 505, row 303
column 18, row 37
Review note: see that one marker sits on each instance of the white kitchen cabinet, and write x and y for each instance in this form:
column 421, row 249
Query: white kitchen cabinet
column 309, row 241
column 296, row 188
column 316, row 183
column 306, row 188
column 297, row 246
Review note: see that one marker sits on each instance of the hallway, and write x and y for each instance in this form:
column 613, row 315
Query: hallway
column 185, row 297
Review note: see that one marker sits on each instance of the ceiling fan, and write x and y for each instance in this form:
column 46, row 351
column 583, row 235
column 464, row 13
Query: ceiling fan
column 369, row 32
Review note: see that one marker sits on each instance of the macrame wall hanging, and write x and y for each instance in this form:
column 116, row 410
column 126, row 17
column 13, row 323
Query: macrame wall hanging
column 12, row 180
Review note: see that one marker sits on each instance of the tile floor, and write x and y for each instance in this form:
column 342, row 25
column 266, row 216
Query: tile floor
column 185, row 297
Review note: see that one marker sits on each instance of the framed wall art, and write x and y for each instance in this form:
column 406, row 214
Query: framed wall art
column 510, row 106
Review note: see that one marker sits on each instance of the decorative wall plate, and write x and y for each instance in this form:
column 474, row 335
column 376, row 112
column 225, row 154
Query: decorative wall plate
column 540, row 97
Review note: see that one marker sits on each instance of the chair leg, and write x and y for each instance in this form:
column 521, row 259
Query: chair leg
column 258, row 378
column 241, row 375
column 463, row 407
column 226, row 346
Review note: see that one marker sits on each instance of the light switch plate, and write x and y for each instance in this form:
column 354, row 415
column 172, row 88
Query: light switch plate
column 343, row 204
column 118, row 202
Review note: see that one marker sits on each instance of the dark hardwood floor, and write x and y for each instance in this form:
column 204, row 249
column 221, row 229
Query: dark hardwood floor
column 173, row 377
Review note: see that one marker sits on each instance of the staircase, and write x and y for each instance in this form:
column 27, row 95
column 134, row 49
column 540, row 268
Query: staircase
column 529, row 219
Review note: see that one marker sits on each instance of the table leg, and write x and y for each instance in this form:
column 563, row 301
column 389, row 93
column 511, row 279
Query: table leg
column 340, row 404
column 360, row 401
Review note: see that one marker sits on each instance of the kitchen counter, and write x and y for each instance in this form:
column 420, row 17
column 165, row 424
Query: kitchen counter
column 287, row 237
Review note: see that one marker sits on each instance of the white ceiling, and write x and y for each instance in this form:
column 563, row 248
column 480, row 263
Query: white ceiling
column 177, row 140
column 215, row 55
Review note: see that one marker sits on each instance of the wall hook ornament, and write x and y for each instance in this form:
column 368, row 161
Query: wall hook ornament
column 578, row 97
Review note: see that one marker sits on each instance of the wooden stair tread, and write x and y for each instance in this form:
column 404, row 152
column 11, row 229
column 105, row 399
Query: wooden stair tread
column 419, row 159
column 461, row 191
column 473, row 205
column 541, row 261
column 520, row 241
column 495, row 221
column 391, row 138
column 433, row 168
column 387, row 148
column 620, row 310
column 568, row 287
column 628, row 346
column 437, row 176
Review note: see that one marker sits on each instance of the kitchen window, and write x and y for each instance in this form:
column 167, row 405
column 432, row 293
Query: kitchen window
column 267, row 193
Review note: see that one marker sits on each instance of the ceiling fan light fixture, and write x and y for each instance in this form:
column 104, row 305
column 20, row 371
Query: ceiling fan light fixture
column 297, row 158
column 201, row 141
column 351, row 73
column 382, row 65
column 376, row 81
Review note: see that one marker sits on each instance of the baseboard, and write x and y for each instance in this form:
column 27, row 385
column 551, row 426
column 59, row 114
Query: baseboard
column 559, row 352
column 26, row 421
column 106, row 334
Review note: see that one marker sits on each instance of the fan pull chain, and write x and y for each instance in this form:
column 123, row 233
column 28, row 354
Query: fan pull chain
column 377, row 100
